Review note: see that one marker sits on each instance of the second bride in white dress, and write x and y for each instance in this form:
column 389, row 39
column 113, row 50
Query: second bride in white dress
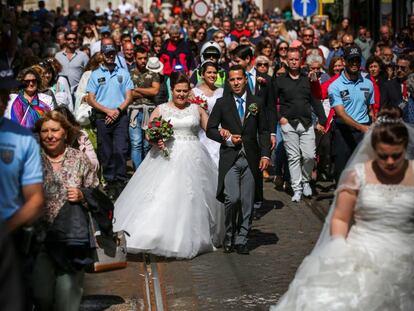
column 169, row 207
column 210, row 93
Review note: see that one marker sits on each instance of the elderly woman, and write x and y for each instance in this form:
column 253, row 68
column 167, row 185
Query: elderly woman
column 66, row 170
column 28, row 105
column 81, row 141
column 262, row 65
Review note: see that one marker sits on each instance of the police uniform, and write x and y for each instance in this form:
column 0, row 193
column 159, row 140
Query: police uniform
column 356, row 97
column 110, row 90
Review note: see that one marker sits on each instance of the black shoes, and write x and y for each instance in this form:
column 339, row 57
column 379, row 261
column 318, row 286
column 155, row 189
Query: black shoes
column 228, row 246
column 242, row 249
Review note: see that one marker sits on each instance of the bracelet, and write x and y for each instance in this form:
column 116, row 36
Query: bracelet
column 119, row 109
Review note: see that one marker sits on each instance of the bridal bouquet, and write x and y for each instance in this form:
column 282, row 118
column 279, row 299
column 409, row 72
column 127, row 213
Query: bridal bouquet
column 158, row 129
column 201, row 102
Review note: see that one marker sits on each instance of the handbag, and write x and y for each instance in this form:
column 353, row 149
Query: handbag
column 110, row 252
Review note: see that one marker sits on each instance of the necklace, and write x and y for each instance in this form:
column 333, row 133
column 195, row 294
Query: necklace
column 56, row 160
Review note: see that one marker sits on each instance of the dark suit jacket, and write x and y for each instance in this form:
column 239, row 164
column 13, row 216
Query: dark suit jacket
column 254, row 133
column 391, row 93
column 263, row 90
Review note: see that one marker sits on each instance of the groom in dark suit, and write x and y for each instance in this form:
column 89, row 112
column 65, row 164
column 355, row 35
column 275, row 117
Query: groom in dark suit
column 244, row 153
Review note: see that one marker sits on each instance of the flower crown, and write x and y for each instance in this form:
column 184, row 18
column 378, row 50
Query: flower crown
column 388, row 120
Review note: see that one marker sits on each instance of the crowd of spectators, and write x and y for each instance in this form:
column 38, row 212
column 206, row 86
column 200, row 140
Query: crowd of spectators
column 105, row 71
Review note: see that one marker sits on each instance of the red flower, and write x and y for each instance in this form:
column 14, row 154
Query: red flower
column 150, row 125
column 158, row 124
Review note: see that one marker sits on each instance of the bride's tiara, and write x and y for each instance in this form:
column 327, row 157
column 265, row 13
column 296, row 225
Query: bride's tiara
column 388, row 120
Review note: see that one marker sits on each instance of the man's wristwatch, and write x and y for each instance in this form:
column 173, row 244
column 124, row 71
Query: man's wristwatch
column 119, row 110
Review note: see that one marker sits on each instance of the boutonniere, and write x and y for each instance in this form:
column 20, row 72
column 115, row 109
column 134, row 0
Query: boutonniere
column 253, row 109
column 262, row 81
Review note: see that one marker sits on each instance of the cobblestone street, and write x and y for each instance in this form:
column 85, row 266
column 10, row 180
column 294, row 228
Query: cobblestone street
column 279, row 241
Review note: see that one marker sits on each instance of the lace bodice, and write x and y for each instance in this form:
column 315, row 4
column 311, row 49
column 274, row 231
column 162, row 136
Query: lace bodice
column 211, row 101
column 186, row 122
column 383, row 207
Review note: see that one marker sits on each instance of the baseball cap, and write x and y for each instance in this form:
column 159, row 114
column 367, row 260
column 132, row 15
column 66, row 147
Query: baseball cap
column 107, row 48
column 352, row 52
column 105, row 29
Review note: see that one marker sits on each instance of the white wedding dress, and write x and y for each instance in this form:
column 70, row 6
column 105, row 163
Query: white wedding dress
column 373, row 269
column 169, row 207
column 212, row 146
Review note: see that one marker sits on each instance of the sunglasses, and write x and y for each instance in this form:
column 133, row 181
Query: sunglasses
column 394, row 156
column 262, row 64
column 283, row 48
column 403, row 68
column 70, row 39
column 307, row 36
column 207, row 55
column 29, row 81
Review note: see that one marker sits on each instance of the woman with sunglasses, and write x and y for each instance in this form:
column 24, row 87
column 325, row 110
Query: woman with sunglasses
column 262, row 65
column 363, row 259
column 281, row 55
column 200, row 37
column 28, row 105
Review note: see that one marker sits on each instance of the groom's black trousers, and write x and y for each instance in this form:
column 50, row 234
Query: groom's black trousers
column 239, row 192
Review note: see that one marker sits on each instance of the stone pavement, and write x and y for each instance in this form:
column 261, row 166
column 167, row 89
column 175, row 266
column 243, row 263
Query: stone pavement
column 279, row 241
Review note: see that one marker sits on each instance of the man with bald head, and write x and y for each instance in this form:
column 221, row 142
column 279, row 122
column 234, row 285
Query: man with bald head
column 128, row 50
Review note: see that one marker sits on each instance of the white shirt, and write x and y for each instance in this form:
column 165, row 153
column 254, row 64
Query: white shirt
column 125, row 7
column 244, row 97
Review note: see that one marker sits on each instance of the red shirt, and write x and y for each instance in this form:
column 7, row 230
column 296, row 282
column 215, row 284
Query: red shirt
column 238, row 34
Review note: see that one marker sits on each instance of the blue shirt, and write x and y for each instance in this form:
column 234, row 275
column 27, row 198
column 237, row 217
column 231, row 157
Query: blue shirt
column 355, row 96
column 20, row 165
column 110, row 88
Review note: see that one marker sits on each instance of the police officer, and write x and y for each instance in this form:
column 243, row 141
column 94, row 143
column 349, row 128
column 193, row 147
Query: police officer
column 352, row 97
column 110, row 93
column 21, row 202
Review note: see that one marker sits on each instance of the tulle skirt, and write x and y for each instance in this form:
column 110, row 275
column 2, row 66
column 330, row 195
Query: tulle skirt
column 370, row 271
column 169, row 207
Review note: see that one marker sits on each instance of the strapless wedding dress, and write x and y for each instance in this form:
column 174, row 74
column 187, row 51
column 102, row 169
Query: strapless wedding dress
column 169, row 207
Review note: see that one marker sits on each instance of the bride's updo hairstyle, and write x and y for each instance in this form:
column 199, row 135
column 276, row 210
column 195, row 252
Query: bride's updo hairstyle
column 177, row 77
column 206, row 64
column 389, row 128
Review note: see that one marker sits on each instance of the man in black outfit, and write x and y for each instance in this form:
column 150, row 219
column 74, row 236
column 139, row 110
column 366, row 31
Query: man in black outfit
column 395, row 92
column 244, row 153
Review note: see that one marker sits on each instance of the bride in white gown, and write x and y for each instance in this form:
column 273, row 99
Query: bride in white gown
column 209, row 92
column 169, row 207
column 369, row 265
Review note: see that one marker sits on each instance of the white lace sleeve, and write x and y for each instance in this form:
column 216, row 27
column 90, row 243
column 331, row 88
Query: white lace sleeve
column 353, row 180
